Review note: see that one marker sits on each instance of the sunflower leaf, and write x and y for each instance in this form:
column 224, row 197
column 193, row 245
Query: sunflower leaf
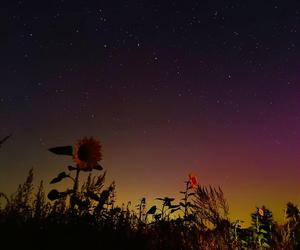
column 152, row 210
column 64, row 150
column 53, row 195
column 60, row 176
column 174, row 210
column 55, row 180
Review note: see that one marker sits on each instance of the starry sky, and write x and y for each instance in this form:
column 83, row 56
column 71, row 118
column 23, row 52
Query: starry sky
column 169, row 87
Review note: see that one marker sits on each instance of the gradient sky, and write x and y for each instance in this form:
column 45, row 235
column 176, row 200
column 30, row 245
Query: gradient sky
column 169, row 87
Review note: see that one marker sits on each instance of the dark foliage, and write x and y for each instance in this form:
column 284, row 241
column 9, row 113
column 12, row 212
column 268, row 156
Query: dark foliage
column 87, row 218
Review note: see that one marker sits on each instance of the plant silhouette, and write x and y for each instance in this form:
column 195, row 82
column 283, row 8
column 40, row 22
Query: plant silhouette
column 86, row 216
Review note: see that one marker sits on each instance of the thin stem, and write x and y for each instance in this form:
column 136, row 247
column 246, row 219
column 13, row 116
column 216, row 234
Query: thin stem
column 75, row 187
column 185, row 200
column 71, row 178
column 162, row 211
column 140, row 212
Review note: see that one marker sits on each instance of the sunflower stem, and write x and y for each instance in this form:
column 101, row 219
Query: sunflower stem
column 75, row 187
column 71, row 178
column 185, row 200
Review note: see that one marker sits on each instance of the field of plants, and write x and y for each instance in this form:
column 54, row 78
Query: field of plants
column 85, row 216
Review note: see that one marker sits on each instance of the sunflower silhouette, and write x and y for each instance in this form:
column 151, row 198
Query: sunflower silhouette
column 261, row 212
column 193, row 180
column 87, row 154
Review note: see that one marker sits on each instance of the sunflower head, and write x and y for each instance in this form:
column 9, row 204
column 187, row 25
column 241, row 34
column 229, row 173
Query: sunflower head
column 193, row 180
column 87, row 153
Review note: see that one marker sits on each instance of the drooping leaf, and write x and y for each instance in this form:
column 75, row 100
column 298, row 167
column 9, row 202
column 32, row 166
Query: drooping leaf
column 59, row 177
column 53, row 195
column 174, row 210
column 152, row 210
column 54, row 180
column 63, row 150
column 62, row 175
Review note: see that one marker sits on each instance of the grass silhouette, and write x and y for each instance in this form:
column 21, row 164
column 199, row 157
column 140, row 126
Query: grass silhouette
column 86, row 216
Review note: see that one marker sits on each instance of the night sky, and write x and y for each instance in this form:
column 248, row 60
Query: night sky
column 169, row 87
